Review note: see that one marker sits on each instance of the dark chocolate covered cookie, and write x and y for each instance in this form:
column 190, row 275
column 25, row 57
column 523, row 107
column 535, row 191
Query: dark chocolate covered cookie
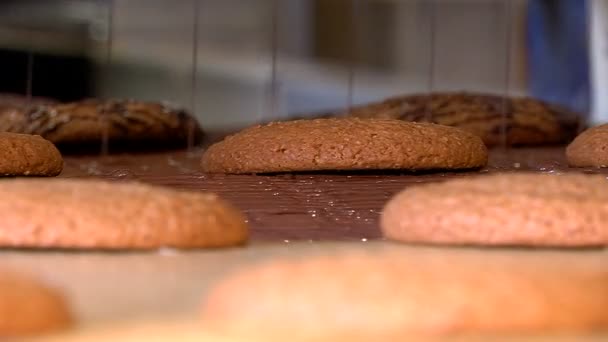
column 124, row 123
column 526, row 121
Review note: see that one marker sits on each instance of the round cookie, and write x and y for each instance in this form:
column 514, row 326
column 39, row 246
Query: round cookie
column 127, row 123
column 28, row 307
column 528, row 121
column 503, row 209
column 28, row 155
column 395, row 294
column 590, row 148
column 345, row 144
column 70, row 213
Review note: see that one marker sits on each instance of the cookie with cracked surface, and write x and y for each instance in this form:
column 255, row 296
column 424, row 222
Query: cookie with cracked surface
column 95, row 214
column 29, row 307
column 590, row 148
column 345, row 144
column 127, row 124
column 28, row 155
column 397, row 293
column 526, row 121
column 506, row 209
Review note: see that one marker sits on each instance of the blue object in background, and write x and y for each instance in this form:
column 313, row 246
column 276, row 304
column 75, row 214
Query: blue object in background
column 558, row 56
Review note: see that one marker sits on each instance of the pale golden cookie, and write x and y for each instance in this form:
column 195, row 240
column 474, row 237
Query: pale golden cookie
column 27, row 307
column 28, row 155
column 395, row 294
column 345, row 144
column 70, row 213
column 503, row 209
column 162, row 331
column 159, row 330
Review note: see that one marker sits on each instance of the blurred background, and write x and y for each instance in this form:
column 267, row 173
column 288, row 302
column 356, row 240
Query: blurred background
column 235, row 62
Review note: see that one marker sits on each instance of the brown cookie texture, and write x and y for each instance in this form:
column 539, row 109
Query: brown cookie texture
column 125, row 123
column 395, row 294
column 590, row 148
column 95, row 214
column 506, row 209
column 345, row 144
column 28, row 155
column 525, row 121
column 28, row 307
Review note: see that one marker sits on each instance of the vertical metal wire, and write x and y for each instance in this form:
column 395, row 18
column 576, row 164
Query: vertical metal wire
column 273, row 91
column 582, row 120
column 354, row 53
column 105, row 128
column 194, row 76
column 432, row 58
column 507, row 74
column 29, row 76
column 110, row 40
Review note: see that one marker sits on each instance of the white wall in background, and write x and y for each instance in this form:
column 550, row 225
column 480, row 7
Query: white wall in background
column 152, row 50
column 470, row 44
column 599, row 60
